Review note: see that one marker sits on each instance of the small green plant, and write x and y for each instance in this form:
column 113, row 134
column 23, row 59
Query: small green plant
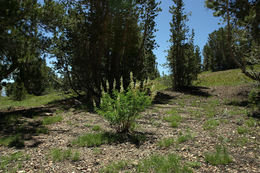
column 96, row 128
column 195, row 165
column 122, row 108
column 251, row 122
column 96, row 151
column 157, row 163
column 242, row 130
column 184, row 137
column 91, row 140
column 220, row 157
column 13, row 141
column 174, row 120
column 51, row 120
column 11, row 162
column 59, row 155
column 211, row 124
column 114, row 167
column 166, row 142
column 240, row 142
column 87, row 125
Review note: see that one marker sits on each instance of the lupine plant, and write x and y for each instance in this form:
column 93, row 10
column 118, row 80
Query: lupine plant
column 122, row 108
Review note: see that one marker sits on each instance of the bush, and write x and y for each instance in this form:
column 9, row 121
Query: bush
column 121, row 108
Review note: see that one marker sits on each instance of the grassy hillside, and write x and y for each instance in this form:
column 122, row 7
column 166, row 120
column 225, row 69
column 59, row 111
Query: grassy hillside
column 223, row 78
column 30, row 101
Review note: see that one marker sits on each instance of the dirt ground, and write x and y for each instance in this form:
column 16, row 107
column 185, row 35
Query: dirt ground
column 228, row 105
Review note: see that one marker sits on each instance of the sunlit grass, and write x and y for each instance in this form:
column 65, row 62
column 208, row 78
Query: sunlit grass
column 31, row 101
column 223, row 78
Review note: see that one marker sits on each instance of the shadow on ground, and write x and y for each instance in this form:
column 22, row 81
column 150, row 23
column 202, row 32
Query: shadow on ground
column 163, row 97
column 18, row 131
column 196, row 91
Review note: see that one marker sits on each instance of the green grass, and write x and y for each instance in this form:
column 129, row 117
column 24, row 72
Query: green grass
column 251, row 122
column 96, row 128
column 51, row 119
column 166, row 142
column 219, row 157
column 223, row 78
column 174, row 120
column 12, row 162
column 184, row 137
column 12, row 141
column 240, row 142
column 157, row 163
column 211, row 124
column 195, row 165
column 114, row 167
column 242, row 130
column 30, row 101
column 59, row 155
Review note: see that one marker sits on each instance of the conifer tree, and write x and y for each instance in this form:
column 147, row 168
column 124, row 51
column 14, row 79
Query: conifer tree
column 181, row 58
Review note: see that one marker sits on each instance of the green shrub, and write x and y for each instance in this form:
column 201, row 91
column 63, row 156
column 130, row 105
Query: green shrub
column 157, row 163
column 121, row 108
column 220, row 157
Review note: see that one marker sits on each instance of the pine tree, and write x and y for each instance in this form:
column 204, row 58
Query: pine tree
column 182, row 59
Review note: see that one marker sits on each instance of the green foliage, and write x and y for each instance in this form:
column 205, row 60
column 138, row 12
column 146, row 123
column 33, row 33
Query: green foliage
column 12, row 162
column 123, row 107
column 59, row 155
column 211, row 124
column 117, row 42
column 220, row 157
column 114, row 167
column 51, row 119
column 216, row 52
column 167, row 164
column 166, row 142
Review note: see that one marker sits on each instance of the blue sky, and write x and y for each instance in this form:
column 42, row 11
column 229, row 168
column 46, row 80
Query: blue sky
column 201, row 20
